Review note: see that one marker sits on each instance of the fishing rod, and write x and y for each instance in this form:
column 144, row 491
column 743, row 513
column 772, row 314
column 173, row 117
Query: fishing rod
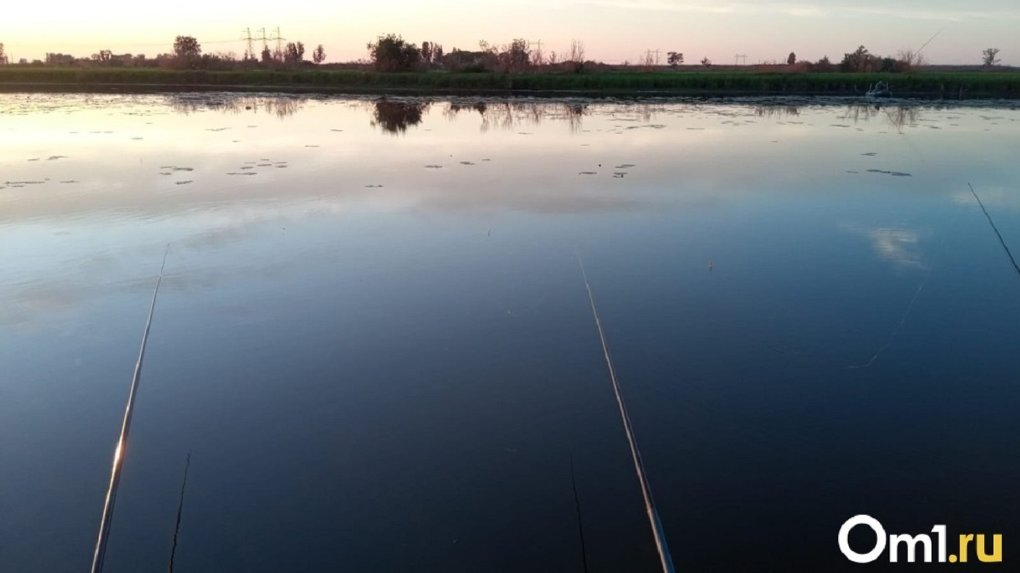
column 996, row 229
column 118, row 455
column 925, row 45
column 665, row 559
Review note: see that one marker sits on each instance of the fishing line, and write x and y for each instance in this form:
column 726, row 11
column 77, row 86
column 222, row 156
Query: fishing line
column 577, row 507
column 646, row 491
column 118, row 455
column 996, row 229
column 180, row 509
column 899, row 326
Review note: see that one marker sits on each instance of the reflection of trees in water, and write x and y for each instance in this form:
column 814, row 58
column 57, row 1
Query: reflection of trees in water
column 897, row 116
column 394, row 116
column 507, row 115
column 777, row 111
column 280, row 106
column 643, row 112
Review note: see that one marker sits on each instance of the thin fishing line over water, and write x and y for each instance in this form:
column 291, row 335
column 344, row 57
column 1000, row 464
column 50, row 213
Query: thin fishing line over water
column 180, row 510
column 577, row 508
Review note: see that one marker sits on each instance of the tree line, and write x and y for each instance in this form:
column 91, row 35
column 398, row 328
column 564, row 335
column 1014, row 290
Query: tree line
column 186, row 53
column 391, row 53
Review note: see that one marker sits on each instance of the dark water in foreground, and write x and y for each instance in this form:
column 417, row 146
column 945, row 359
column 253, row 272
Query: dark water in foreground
column 374, row 339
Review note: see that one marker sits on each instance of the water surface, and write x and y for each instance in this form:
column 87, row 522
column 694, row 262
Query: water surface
column 374, row 339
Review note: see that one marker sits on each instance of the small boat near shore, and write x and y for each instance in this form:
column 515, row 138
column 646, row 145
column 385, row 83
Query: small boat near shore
column 878, row 90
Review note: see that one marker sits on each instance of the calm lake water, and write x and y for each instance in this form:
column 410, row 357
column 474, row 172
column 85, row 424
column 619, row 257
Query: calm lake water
column 374, row 339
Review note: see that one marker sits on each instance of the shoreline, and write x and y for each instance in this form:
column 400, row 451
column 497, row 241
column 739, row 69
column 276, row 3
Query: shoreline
column 921, row 85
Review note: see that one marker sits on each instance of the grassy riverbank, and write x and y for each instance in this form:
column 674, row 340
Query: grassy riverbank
column 951, row 85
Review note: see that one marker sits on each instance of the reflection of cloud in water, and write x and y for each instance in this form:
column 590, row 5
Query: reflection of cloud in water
column 897, row 245
column 894, row 244
column 544, row 203
column 23, row 301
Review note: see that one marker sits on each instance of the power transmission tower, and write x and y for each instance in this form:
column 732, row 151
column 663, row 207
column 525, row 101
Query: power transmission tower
column 648, row 58
column 262, row 36
column 250, row 50
column 279, row 41
column 539, row 58
column 740, row 60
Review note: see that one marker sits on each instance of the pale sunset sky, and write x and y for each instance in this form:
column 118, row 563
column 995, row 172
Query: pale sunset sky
column 612, row 30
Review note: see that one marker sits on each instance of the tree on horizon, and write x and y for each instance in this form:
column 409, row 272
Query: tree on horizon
column 390, row 53
column 187, row 51
column 988, row 57
column 294, row 53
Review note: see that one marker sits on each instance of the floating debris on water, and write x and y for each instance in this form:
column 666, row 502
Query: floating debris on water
column 373, row 186
column 242, row 173
column 56, row 157
column 69, row 181
column 433, row 167
column 586, row 173
column 185, row 182
column 336, row 130
column 625, row 166
column 34, row 159
column 619, row 174
column 217, row 128
column 893, row 173
column 23, row 183
column 311, row 145
column 852, row 171
column 466, row 163
column 869, row 154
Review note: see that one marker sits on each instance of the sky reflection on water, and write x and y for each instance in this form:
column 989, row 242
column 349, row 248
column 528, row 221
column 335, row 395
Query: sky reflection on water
column 374, row 339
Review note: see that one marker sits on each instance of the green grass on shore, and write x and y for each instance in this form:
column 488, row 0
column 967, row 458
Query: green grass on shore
column 930, row 84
